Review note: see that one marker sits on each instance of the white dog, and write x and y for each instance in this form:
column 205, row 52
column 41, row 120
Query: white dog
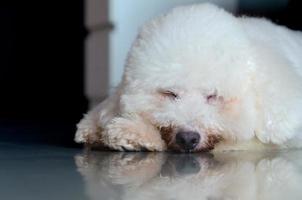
column 200, row 78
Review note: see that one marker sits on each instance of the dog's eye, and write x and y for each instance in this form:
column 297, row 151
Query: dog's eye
column 168, row 93
column 211, row 98
column 214, row 98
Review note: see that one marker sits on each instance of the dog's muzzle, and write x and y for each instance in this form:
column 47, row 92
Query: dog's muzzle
column 187, row 140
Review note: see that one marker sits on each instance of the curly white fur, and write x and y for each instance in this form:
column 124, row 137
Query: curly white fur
column 238, row 78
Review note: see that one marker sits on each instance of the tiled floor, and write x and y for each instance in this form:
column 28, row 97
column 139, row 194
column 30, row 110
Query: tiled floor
column 37, row 172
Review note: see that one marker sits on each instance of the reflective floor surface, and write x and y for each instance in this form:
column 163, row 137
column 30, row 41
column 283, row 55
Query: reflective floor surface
column 36, row 172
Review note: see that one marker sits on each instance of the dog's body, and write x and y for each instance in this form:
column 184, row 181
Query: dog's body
column 199, row 78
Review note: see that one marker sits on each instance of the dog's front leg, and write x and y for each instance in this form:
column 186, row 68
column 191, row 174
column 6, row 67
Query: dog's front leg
column 132, row 133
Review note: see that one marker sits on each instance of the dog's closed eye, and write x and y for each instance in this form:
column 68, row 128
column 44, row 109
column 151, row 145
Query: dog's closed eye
column 169, row 94
column 214, row 98
column 211, row 98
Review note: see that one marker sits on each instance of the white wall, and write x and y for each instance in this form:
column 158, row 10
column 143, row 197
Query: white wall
column 128, row 15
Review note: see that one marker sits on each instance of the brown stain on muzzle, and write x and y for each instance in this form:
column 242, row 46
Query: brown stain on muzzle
column 166, row 134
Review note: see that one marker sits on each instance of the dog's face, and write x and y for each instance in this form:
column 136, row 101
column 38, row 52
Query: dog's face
column 194, row 85
column 193, row 108
column 192, row 118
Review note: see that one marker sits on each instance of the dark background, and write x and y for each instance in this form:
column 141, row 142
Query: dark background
column 41, row 64
column 283, row 12
column 41, row 69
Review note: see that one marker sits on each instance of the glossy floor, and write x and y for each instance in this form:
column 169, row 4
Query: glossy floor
column 36, row 172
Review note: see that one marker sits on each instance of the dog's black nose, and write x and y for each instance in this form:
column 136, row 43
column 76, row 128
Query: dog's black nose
column 187, row 140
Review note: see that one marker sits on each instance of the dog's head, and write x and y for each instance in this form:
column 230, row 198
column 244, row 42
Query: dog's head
column 196, row 119
column 190, row 73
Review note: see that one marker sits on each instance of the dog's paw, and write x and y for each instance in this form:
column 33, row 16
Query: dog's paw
column 274, row 137
column 262, row 136
column 132, row 135
column 279, row 138
column 127, row 146
column 125, row 141
column 86, row 133
column 85, row 136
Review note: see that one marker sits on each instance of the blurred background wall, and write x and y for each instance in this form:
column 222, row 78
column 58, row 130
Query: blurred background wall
column 57, row 58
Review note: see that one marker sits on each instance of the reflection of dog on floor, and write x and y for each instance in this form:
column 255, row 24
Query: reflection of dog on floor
column 198, row 78
column 194, row 176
